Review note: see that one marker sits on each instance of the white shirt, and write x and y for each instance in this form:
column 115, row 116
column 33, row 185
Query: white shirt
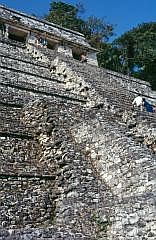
column 138, row 101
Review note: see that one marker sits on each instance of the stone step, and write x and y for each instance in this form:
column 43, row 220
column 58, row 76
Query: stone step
column 24, row 66
column 7, row 77
column 17, row 94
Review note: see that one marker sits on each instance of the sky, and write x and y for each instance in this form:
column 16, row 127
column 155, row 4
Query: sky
column 123, row 14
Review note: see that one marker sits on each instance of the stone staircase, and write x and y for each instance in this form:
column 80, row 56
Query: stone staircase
column 104, row 81
column 71, row 164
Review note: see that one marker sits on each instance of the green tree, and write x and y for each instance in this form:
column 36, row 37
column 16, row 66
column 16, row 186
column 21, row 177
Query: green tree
column 135, row 53
column 99, row 31
column 109, row 57
column 67, row 15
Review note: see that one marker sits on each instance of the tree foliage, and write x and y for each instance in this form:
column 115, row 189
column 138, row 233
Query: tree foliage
column 133, row 53
column 109, row 57
column 67, row 15
column 99, row 31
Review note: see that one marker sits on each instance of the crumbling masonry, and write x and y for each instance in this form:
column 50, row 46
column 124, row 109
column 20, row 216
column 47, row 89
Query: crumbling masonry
column 77, row 163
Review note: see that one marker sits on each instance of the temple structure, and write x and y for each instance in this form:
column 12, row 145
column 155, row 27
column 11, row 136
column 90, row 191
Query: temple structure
column 28, row 29
column 77, row 162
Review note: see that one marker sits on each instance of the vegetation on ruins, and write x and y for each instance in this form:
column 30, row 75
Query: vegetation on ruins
column 134, row 53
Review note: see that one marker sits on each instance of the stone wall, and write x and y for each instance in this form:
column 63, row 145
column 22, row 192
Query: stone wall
column 75, row 160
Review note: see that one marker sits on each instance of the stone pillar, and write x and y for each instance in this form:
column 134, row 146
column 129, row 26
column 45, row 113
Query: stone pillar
column 65, row 50
column 27, row 38
column 6, row 34
column 92, row 58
